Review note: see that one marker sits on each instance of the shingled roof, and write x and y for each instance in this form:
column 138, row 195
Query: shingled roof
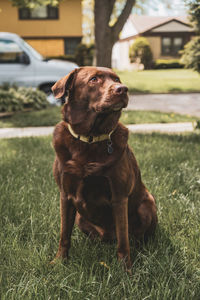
column 146, row 23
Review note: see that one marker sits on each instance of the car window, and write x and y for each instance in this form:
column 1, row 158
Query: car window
column 31, row 50
column 10, row 52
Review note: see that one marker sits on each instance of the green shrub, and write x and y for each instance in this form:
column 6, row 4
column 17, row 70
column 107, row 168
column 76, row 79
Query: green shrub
column 140, row 51
column 84, row 54
column 168, row 64
column 19, row 99
column 191, row 54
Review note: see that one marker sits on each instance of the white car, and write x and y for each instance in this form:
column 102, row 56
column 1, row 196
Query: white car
column 22, row 65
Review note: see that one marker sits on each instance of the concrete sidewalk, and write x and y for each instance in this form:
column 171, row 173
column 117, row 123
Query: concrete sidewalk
column 140, row 128
column 25, row 132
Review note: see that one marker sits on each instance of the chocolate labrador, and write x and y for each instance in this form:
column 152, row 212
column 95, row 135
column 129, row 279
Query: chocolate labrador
column 99, row 179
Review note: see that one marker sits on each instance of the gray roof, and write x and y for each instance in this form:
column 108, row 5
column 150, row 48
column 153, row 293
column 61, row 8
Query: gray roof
column 146, row 23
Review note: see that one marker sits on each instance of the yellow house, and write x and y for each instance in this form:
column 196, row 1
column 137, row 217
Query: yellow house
column 50, row 30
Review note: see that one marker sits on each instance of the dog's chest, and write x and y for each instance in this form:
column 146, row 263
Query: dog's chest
column 93, row 199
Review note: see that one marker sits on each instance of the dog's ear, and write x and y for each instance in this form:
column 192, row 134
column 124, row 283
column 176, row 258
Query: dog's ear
column 63, row 85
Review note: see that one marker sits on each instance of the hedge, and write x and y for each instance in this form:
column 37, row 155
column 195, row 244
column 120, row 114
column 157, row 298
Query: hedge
column 20, row 99
column 168, row 64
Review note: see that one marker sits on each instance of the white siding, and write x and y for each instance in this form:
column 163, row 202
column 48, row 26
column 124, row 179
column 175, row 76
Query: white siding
column 128, row 30
column 120, row 56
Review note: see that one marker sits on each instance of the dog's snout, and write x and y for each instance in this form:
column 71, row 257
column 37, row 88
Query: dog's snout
column 121, row 89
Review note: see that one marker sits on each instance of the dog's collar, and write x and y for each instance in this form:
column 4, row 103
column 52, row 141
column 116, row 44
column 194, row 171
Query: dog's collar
column 90, row 139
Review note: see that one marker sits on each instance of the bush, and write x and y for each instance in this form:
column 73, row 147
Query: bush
column 168, row 64
column 140, row 50
column 191, row 54
column 84, row 55
column 19, row 99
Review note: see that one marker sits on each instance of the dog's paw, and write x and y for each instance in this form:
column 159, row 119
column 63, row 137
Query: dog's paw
column 58, row 260
column 129, row 272
column 61, row 257
column 53, row 262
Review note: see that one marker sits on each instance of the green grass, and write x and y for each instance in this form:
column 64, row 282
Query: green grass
column 46, row 117
column 168, row 267
column 52, row 115
column 141, row 117
column 161, row 81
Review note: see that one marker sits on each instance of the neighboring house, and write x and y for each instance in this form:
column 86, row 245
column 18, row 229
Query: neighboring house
column 166, row 36
column 50, row 30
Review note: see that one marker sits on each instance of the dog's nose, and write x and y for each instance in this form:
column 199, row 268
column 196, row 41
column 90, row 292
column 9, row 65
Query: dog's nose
column 121, row 89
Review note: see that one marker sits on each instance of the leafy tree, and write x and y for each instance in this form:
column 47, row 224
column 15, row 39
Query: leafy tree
column 106, row 33
column 194, row 12
column 140, row 50
column 140, row 7
column 33, row 3
column 191, row 53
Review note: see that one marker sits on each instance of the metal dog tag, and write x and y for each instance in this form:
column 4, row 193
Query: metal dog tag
column 110, row 148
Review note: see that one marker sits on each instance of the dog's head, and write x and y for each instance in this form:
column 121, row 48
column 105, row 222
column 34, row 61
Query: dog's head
column 95, row 98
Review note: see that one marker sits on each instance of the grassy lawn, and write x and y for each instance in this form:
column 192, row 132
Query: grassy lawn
column 52, row 115
column 140, row 117
column 166, row 268
column 161, row 81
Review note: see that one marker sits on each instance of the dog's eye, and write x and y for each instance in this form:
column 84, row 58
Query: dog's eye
column 116, row 79
column 93, row 79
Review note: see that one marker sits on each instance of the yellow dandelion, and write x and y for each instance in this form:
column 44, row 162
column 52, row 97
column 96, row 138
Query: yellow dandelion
column 174, row 192
column 104, row 264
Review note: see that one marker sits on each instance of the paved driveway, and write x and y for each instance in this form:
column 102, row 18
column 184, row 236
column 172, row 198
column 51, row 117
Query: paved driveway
column 187, row 104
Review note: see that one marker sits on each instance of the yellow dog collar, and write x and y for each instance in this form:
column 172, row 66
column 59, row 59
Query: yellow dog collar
column 90, row 139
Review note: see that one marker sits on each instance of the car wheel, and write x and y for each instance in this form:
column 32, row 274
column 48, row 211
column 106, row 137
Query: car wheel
column 50, row 98
column 46, row 89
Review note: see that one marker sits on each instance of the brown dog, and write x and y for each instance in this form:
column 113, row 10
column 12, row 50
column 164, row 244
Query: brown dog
column 96, row 171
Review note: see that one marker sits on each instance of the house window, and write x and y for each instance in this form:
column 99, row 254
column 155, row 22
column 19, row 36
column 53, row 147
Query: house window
column 39, row 13
column 172, row 45
column 178, row 44
column 71, row 45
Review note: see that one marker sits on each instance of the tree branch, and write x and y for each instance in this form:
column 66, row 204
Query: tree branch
column 111, row 5
column 117, row 27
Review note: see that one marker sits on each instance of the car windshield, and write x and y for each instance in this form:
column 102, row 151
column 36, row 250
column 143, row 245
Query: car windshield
column 36, row 54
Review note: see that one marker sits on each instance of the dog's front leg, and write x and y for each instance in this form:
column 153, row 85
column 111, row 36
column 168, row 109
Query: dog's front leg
column 120, row 211
column 67, row 215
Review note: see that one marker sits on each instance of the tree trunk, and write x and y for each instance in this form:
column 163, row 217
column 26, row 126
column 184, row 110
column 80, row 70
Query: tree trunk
column 104, row 47
column 105, row 35
column 104, row 55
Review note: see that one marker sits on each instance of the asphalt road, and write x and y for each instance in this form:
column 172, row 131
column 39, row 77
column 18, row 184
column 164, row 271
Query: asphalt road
column 186, row 104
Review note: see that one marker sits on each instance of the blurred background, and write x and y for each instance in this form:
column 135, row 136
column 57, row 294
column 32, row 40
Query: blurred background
column 43, row 40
